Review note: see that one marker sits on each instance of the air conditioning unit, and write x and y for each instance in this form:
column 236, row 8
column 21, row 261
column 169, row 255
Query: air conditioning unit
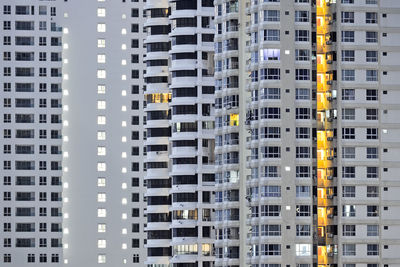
column 330, row 235
column 329, row 138
column 330, row 177
column 329, row 61
column 330, row 216
column 330, row 119
column 330, row 22
column 330, row 158
column 329, row 42
column 330, row 254
column 330, row 82
column 330, row 196
column 329, row 98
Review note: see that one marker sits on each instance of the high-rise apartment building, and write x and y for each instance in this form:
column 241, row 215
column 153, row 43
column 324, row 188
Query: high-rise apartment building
column 31, row 111
column 104, row 193
column 322, row 188
column 180, row 133
column 73, row 116
column 230, row 133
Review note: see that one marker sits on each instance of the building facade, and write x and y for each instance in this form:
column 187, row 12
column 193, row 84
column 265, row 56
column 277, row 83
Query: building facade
column 31, row 172
column 321, row 186
column 180, row 133
column 104, row 190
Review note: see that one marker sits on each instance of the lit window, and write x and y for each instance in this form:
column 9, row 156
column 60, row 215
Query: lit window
column 101, row 27
column 101, row 43
column 101, row 182
column 101, row 166
column 101, row 213
column 101, row 89
column 101, row 104
column 303, row 250
column 101, row 197
column 101, row 228
column 101, row 58
column 101, row 135
column 123, row 31
column 101, row 151
column 101, row 74
column 101, row 12
column 101, row 258
column 101, row 120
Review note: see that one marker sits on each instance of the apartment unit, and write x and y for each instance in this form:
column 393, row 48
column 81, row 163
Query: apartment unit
column 230, row 133
column 103, row 133
column 322, row 122
column 31, row 110
column 180, row 133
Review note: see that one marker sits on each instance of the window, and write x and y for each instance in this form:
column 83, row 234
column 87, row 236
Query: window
column 371, row 75
column 135, row 258
column 302, row 54
column 302, row 171
column 303, row 230
column 371, row 56
column 348, row 133
column 101, row 12
column 372, row 211
column 349, row 191
column 101, row 74
column 349, row 230
column 271, row 152
column 348, row 94
column 371, row 37
column 101, row 120
column 349, row 249
column 101, row 197
column 303, row 191
column 372, row 249
column 303, row 152
column 271, row 191
column 348, row 114
column 101, row 228
column 270, row 113
column 302, row 74
column 101, row 104
column 101, row 58
column 135, row 243
column 348, row 75
column 270, row 93
column 347, row 36
column 371, row 17
column 349, row 211
column 302, row 36
column 134, row 27
column 134, row 12
column 101, row 213
column 347, row 17
column 372, row 133
column 271, row 210
column 348, row 172
column 372, row 152
column 303, row 250
column 135, row 228
column 101, row 258
column 271, row 249
column 372, row 172
column 101, row 27
column 271, row 15
column 347, row 55
column 372, row 114
column 372, row 191
column 101, row 182
column 271, row 35
column 101, row 43
column 372, row 230
column 301, row 16
column 348, row 152
column 270, row 230
column 302, row 113
column 371, row 95
column 303, row 210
